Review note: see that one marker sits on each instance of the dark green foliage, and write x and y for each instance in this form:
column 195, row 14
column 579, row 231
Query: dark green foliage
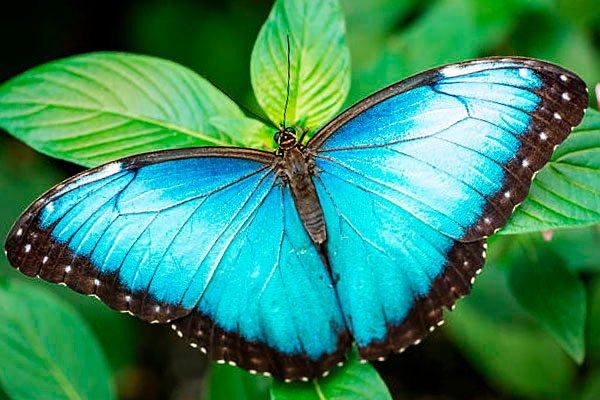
column 531, row 328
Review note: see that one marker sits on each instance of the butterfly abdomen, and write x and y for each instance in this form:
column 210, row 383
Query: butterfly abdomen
column 304, row 194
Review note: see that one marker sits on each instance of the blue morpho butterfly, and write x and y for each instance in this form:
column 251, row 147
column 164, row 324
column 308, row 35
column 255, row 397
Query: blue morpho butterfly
column 278, row 262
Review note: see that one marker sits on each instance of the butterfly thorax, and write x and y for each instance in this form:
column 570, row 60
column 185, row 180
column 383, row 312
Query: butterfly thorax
column 297, row 172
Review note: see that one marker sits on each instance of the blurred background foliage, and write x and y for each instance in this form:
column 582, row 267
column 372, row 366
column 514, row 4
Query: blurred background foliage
column 492, row 348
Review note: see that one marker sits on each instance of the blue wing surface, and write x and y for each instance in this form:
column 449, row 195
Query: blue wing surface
column 209, row 243
column 413, row 179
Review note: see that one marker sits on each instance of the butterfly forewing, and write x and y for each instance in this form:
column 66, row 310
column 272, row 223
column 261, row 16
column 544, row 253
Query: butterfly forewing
column 414, row 178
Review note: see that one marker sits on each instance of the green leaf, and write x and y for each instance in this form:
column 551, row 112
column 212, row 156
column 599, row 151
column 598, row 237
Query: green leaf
column 579, row 247
column 566, row 192
column 320, row 62
column 505, row 345
column 552, row 294
column 228, row 382
column 249, row 131
column 48, row 352
column 593, row 328
column 97, row 107
column 354, row 380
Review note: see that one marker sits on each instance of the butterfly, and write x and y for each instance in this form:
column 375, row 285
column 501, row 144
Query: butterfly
column 278, row 262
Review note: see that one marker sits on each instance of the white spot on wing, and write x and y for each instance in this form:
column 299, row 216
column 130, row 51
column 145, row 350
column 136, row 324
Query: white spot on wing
column 566, row 96
column 113, row 168
column 523, row 73
column 19, row 232
column 45, row 260
column 543, row 136
column 27, row 248
column 557, row 116
column 507, row 194
column 96, row 282
column 67, row 269
column 563, row 78
column 451, row 71
column 128, row 298
column 525, row 163
column 50, row 207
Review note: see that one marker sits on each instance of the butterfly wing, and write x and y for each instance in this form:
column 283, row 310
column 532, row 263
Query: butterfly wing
column 414, row 178
column 203, row 238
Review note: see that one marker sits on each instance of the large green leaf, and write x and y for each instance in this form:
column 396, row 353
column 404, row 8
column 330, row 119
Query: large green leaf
column 504, row 343
column 354, row 380
column 48, row 352
column 566, row 192
column 97, row 107
column 320, row 62
column 553, row 295
column 227, row 382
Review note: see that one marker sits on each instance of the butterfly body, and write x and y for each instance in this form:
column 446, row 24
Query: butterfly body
column 278, row 262
column 298, row 170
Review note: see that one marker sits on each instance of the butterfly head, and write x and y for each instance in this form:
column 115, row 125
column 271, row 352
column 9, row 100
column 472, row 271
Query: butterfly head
column 286, row 138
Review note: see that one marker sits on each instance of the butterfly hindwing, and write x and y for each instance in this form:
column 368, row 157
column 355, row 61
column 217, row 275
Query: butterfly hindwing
column 202, row 238
column 293, row 297
column 414, row 178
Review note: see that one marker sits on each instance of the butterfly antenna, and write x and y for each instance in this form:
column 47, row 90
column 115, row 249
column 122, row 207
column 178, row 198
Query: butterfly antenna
column 289, row 67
